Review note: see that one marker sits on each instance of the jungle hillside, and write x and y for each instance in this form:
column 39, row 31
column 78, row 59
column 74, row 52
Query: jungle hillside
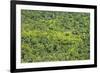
column 54, row 36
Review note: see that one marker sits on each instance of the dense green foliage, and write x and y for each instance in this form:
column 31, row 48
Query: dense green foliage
column 54, row 36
